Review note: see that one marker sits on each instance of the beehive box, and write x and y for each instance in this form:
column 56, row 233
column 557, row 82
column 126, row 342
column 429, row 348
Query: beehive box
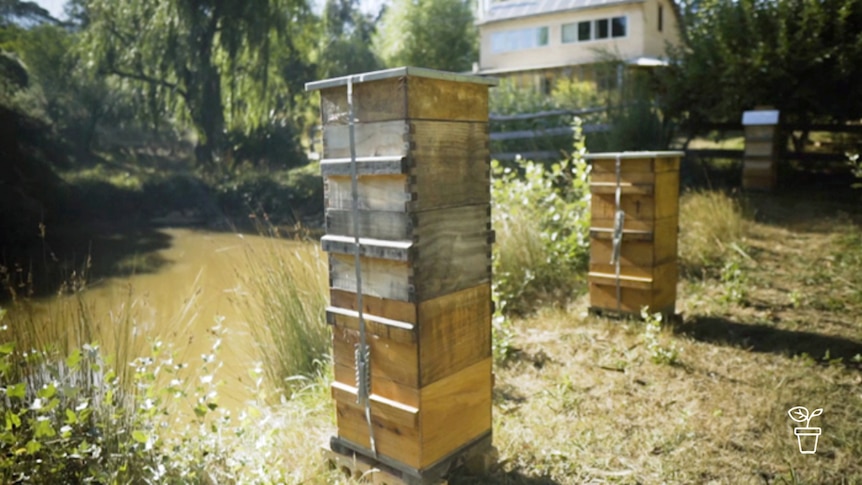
column 423, row 165
column 760, row 162
column 649, row 196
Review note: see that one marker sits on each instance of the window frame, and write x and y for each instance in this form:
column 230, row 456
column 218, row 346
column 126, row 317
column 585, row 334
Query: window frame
column 502, row 41
column 592, row 29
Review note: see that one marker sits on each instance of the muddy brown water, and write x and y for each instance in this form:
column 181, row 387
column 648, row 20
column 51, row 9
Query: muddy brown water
column 198, row 283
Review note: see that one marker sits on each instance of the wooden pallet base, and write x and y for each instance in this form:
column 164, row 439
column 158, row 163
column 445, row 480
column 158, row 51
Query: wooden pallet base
column 356, row 462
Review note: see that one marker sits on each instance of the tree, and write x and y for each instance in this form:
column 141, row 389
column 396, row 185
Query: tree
column 182, row 54
column 346, row 40
column 804, row 57
column 438, row 34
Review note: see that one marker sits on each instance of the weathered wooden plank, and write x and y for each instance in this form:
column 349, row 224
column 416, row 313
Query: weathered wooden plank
column 364, row 166
column 625, row 281
column 433, row 99
column 759, row 148
column 455, row 410
column 380, row 139
column 455, row 332
column 382, row 327
column 368, row 247
column 373, row 224
column 610, row 188
column 376, row 193
column 380, row 385
column 635, row 205
column 633, row 165
column 607, row 233
column 667, row 195
column 401, row 311
column 390, row 360
column 384, row 100
column 380, row 277
column 381, row 407
column 652, row 287
column 628, row 178
column 400, row 443
column 451, row 164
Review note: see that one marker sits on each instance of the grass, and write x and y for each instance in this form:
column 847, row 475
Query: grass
column 583, row 399
column 285, row 299
column 712, row 230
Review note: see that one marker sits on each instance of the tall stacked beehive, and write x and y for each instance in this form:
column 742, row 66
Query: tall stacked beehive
column 423, row 166
column 633, row 258
column 762, row 148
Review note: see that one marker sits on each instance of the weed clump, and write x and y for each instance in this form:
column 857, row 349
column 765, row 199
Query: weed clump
column 712, row 227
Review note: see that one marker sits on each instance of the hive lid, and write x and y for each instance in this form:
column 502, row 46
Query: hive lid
column 399, row 72
column 625, row 155
column 760, row 117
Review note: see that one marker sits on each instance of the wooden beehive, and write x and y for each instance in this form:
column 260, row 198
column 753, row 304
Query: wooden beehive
column 421, row 154
column 649, row 196
column 760, row 162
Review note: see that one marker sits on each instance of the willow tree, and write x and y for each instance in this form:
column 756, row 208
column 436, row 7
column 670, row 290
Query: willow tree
column 184, row 55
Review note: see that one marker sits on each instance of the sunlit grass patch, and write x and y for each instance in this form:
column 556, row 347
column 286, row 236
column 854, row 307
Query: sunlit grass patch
column 712, row 228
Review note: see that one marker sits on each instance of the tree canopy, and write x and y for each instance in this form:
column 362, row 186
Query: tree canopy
column 804, row 57
column 438, row 34
column 212, row 62
column 346, row 40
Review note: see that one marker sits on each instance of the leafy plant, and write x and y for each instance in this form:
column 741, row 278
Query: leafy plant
column 800, row 414
column 734, row 282
column 660, row 354
column 540, row 215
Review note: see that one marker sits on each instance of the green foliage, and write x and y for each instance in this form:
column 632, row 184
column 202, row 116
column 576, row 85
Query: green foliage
column 346, row 40
column 659, row 353
column 212, row 64
column 734, row 282
column 801, row 56
column 437, row 34
column 540, row 215
column 288, row 311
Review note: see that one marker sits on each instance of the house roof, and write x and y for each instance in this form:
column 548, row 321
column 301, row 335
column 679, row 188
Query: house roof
column 512, row 9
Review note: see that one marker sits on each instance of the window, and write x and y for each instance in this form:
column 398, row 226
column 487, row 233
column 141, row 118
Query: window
column 569, row 33
column 602, row 29
column 594, row 29
column 584, row 31
column 514, row 40
column 660, row 17
column 618, row 27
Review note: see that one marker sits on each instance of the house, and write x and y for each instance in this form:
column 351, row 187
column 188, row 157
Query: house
column 535, row 42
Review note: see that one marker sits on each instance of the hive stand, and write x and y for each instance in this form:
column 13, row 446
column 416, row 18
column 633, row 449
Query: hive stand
column 423, row 165
column 649, row 196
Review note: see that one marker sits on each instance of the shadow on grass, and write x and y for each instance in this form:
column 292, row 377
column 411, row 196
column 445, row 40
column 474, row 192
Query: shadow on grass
column 764, row 338
column 500, row 477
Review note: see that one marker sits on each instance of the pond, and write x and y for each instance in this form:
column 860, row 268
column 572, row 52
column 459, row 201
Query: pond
column 192, row 281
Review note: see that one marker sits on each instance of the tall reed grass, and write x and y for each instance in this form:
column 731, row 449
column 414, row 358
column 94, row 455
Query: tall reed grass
column 286, row 286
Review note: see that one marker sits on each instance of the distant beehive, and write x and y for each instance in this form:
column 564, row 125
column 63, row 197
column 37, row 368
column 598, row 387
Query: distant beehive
column 645, row 187
column 422, row 158
column 762, row 148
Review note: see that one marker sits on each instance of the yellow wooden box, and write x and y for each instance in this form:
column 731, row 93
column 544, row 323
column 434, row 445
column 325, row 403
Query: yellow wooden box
column 649, row 195
column 421, row 148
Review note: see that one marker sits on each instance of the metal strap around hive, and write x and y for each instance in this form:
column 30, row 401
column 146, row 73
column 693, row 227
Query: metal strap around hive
column 362, row 353
column 619, row 221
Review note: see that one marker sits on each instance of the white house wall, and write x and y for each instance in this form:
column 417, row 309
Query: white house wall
column 642, row 38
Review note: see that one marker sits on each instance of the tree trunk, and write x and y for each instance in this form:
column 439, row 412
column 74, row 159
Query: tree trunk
column 203, row 85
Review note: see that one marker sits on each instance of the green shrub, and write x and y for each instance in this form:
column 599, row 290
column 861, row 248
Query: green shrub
column 540, row 215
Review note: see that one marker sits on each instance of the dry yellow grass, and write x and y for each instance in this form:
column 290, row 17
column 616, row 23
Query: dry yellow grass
column 712, row 228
